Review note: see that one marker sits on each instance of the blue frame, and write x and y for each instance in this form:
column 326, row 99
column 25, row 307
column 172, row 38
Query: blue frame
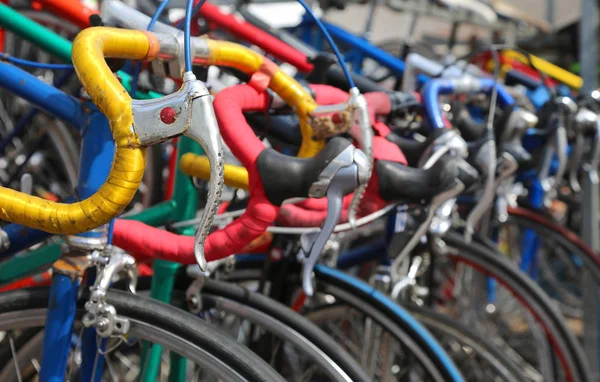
column 96, row 158
column 359, row 49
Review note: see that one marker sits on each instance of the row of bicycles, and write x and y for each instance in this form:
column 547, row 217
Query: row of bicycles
column 189, row 193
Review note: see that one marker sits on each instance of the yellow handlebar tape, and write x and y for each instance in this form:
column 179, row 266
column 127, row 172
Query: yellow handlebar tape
column 90, row 48
column 199, row 166
column 564, row 76
column 224, row 53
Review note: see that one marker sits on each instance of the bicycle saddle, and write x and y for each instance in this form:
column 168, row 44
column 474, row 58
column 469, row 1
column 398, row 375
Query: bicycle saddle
column 399, row 182
column 284, row 177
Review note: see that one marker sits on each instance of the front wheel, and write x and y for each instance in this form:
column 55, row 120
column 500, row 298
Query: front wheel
column 211, row 355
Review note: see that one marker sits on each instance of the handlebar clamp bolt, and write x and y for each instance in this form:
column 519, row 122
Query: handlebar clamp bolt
column 168, row 115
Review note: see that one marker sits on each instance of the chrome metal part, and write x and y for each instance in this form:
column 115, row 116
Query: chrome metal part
column 205, row 130
column 436, row 203
column 4, row 240
column 575, row 162
column 343, row 159
column 442, row 217
column 89, row 243
column 585, row 120
column 159, row 119
column 343, row 175
column 567, row 104
column 99, row 314
column 466, row 85
column 189, row 111
column 595, row 157
column 519, row 121
column 558, row 147
column 363, row 130
column 193, row 295
column 450, row 141
column 344, row 181
column 410, row 280
column 503, row 184
column 382, row 280
column 116, row 13
column 486, row 160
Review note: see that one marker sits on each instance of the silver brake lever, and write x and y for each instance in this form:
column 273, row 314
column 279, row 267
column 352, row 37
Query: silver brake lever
column 507, row 168
column 205, row 130
column 363, row 133
column 345, row 179
column 187, row 112
column 595, row 158
column 560, row 147
column 585, row 119
column 486, row 159
column 568, row 108
column 575, row 162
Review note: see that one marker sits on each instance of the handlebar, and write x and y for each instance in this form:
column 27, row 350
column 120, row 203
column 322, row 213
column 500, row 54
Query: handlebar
column 264, row 72
column 465, row 85
column 380, row 104
column 90, row 48
column 264, row 167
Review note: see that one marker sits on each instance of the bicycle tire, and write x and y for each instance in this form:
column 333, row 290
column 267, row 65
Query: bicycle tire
column 213, row 292
column 436, row 322
column 494, row 264
column 373, row 303
column 571, row 240
column 27, row 308
column 561, row 261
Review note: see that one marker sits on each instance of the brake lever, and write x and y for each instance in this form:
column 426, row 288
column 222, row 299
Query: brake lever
column 567, row 108
column 507, row 167
column 560, row 146
column 486, row 160
column 595, row 159
column 575, row 161
column 449, row 141
column 557, row 146
column 363, row 133
column 344, row 174
column 360, row 129
column 584, row 119
column 187, row 112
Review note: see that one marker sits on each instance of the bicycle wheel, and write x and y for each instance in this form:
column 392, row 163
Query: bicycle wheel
column 213, row 354
column 476, row 356
column 385, row 340
column 512, row 311
column 292, row 345
column 562, row 258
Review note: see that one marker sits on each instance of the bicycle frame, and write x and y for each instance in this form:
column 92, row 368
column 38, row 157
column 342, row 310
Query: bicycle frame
column 97, row 153
column 182, row 205
column 184, row 196
column 360, row 49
